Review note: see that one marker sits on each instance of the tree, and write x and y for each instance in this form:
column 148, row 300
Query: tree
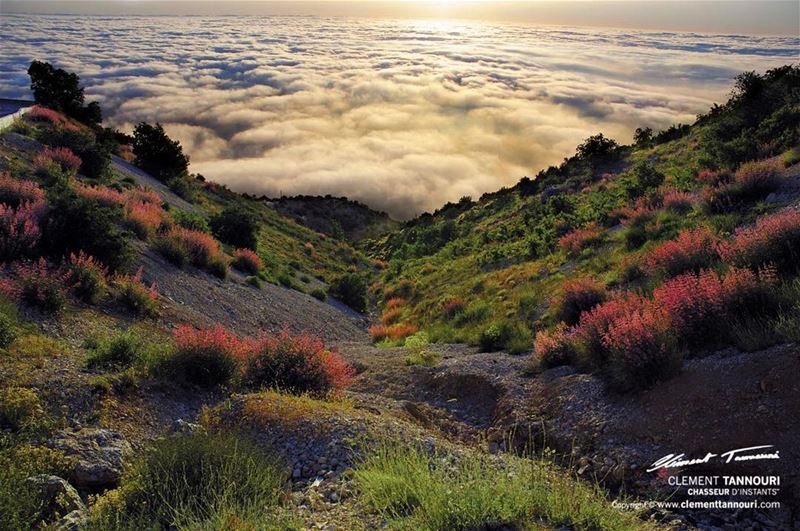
column 157, row 154
column 351, row 289
column 643, row 137
column 597, row 147
column 235, row 227
column 60, row 90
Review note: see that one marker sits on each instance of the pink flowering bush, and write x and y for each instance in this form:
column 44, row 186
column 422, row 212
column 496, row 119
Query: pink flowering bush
column 579, row 239
column 577, row 296
column 143, row 219
column 640, row 349
column 247, row 260
column 296, row 363
column 553, row 348
column 677, row 201
column 757, row 179
column 87, row 277
column 143, row 195
column 774, row 238
column 691, row 250
column 207, row 357
column 37, row 113
column 13, row 191
column 20, row 229
column 38, row 284
column 132, row 293
column 101, row 194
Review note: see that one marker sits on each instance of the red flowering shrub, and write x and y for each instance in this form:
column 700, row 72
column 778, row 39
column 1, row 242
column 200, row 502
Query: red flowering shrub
column 67, row 161
column 200, row 248
column 577, row 296
column 39, row 284
column 579, row 239
column 143, row 219
column 207, row 357
column 391, row 316
column 640, row 349
column 13, row 191
column 553, row 348
column 400, row 331
column 773, row 239
column 19, row 228
column 752, row 181
column 87, row 277
column 714, row 177
column 37, row 113
column 143, row 195
column 247, row 260
column 677, row 201
column 296, row 363
column 377, row 333
column 395, row 302
column 636, row 216
column 703, row 306
column 101, row 194
column 593, row 325
column 404, row 290
column 134, row 295
column 757, row 179
column 691, row 250
column 453, row 307
column 394, row 332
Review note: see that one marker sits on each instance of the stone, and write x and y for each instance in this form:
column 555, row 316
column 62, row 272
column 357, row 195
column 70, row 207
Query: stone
column 57, row 496
column 494, row 447
column 97, row 456
column 183, row 427
column 73, row 521
column 297, row 473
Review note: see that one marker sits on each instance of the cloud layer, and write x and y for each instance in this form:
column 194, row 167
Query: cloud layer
column 401, row 115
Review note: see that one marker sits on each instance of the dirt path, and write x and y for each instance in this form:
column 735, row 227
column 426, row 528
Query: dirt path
column 201, row 299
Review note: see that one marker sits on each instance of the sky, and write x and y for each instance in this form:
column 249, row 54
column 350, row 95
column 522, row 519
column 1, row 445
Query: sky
column 401, row 114
column 772, row 17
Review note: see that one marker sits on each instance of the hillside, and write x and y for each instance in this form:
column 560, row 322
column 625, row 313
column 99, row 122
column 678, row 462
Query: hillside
column 603, row 216
column 335, row 216
column 174, row 355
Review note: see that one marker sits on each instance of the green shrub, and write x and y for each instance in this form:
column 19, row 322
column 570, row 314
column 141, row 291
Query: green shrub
column 507, row 335
column 218, row 266
column 319, row 294
column 254, row 281
column 419, row 354
column 195, row 482
column 235, row 227
column 643, row 177
column 474, row 314
column 351, row 289
column 8, row 330
column 19, row 408
column 77, row 224
column 190, row 220
column 118, row 352
column 172, row 249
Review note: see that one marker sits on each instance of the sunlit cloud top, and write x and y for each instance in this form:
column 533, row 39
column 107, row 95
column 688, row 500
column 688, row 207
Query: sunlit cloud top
column 403, row 115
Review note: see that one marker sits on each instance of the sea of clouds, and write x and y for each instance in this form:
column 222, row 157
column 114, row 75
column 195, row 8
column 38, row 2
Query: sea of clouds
column 402, row 115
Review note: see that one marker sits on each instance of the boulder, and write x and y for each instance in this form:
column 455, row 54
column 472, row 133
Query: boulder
column 71, row 522
column 57, row 496
column 97, row 456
